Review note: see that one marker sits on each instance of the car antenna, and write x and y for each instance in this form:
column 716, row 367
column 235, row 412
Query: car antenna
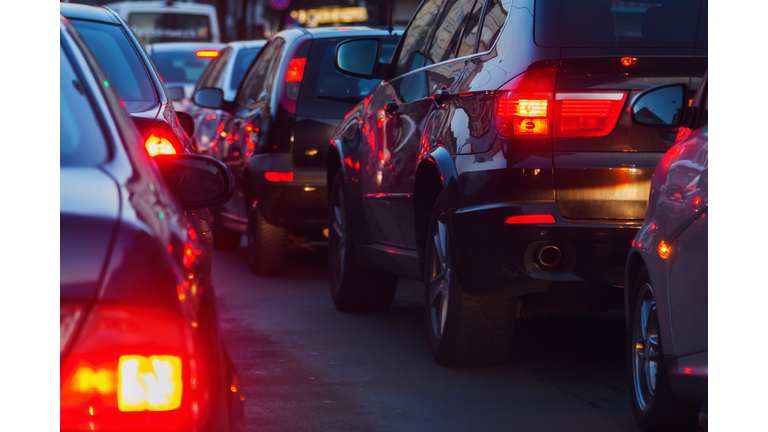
column 391, row 23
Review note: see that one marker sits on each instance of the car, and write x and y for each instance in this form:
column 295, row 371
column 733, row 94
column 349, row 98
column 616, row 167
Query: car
column 285, row 112
column 170, row 21
column 667, row 277
column 225, row 71
column 140, row 344
column 180, row 65
column 497, row 163
column 130, row 70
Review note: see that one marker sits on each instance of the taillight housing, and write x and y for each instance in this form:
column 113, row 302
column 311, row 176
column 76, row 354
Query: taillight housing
column 275, row 176
column 294, row 75
column 529, row 107
column 159, row 142
column 130, row 368
column 295, row 72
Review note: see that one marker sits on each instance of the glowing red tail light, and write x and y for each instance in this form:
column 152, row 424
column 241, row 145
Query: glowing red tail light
column 530, row 219
column 295, row 71
column 129, row 369
column 523, row 105
column 207, row 53
column 274, row 176
column 158, row 143
column 579, row 115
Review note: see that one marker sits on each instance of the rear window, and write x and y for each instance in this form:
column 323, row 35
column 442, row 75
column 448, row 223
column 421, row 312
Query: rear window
column 242, row 62
column 327, row 92
column 120, row 60
column 170, row 27
column 180, row 66
column 617, row 23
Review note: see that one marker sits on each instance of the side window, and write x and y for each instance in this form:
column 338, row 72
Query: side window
column 254, row 86
column 212, row 73
column 416, row 40
column 469, row 42
column 495, row 16
column 449, row 30
column 81, row 140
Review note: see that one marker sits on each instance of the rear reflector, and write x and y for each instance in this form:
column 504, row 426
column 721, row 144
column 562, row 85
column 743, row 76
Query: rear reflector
column 207, row 53
column 295, row 71
column 531, row 219
column 279, row 176
column 157, row 144
column 579, row 115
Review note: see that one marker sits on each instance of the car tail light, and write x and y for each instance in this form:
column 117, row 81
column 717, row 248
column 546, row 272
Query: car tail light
column 523, row 105
column 158, row 143
column 528, row 107
column 129, row 369
column 274, row 176
column 295, row 71
column 207, row 53
column 530, row 219
column 581, row 115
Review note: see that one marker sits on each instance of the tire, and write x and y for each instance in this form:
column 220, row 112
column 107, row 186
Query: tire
column 267, row 245
column 655, row 406
column 224, row 238
column 463, row 330
column 353, row 288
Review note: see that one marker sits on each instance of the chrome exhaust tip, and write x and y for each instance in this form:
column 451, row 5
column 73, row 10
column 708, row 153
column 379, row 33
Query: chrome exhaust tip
column 548, row 256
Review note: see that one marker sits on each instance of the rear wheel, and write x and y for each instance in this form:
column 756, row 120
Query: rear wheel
column 655, row 407
column 224, row 238
column 353, row 288
column 267, row 245
column 463, row 330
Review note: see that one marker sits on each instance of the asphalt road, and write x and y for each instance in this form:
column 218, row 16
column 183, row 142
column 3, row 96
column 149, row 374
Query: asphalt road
column 308, row 367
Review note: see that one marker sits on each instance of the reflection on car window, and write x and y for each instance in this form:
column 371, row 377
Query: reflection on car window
column 256, row 87
column 117, row 56
column 495, row 16
column 467, row 46
column 449, row 30
column 82, row 142
column 242, row 62
column 412, row 53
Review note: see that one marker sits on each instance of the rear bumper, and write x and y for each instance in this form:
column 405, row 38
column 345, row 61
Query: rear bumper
column 298, row 204
column 499, row 259
column 689, row 376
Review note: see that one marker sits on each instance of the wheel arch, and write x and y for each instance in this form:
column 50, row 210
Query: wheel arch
column 332, row 166
column 634, row 263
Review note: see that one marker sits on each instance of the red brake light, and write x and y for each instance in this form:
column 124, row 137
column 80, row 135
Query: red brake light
column 531, row 219
column 278, row 176
column 207, row 53
column 295, row 71
column 523, row 105
column 158, row 143
column 683, row 133
column 579, row 115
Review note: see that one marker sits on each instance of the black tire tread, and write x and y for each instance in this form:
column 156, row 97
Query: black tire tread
column 267, row 251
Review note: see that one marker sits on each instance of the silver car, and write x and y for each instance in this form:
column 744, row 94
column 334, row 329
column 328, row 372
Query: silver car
column 666, row 279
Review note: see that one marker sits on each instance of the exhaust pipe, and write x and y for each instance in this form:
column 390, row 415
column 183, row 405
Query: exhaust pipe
column 548, row 257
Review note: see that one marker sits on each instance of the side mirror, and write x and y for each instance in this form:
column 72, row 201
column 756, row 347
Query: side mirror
column 176, row 93
column 187, row 122
column 196, row 181
column 663, row 106
column 359, row 58
column 209, row 98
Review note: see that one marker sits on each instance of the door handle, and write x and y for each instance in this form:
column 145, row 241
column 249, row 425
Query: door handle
column 392, row 107
column 441, row 96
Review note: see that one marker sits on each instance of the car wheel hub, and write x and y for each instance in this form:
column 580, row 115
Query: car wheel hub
column 440, row 277
column 646, row 350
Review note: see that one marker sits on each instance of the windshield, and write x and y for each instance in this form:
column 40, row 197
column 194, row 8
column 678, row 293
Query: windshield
column 120, row 60
column 242, row 62
column 605, row 23
column 180, row 66
column 170, row 27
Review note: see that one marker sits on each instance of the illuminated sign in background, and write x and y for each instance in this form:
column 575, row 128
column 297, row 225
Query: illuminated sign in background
column 332, row 15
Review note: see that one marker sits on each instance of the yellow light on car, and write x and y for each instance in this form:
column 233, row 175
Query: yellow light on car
column 664, row 249
column 149, row 383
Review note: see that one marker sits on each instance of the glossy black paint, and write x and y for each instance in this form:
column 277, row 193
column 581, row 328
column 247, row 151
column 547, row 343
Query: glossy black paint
column 275, row 133
column 395, row 161
column 123, row 238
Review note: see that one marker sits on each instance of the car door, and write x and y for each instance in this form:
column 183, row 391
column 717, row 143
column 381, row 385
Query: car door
column 686, row 224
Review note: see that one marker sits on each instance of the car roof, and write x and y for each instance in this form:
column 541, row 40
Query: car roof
column 184, row 46
column 92, row 13
column 248, row 44
column 159, row 5
column 328, row 32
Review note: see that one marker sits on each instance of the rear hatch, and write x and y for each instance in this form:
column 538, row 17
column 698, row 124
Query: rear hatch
column 326, row 97
column 610, row 52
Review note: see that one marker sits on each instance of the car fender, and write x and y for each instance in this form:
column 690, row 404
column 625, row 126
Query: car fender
column 443, row 161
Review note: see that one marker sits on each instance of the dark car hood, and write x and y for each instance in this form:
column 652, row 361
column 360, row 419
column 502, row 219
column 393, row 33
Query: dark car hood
column 89, row 214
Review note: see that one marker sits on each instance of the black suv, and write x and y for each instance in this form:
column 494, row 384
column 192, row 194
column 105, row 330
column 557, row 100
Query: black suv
column 286, row 111
column 496, row 160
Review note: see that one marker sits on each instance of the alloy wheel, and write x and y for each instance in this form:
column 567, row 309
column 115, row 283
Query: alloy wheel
column 439, row 276
column 646, row 350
